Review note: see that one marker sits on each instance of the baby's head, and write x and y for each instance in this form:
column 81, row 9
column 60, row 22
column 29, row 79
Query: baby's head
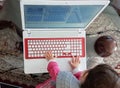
column 101, row 76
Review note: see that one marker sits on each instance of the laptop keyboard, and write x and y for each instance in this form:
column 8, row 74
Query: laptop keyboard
column 35, row 48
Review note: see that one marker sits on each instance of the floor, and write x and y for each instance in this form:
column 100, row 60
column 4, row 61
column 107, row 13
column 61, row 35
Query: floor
column 109, row 24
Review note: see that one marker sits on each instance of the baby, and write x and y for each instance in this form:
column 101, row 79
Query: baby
column 100, row 76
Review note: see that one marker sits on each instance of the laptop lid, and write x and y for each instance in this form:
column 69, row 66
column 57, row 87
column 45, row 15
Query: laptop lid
column 60, row 14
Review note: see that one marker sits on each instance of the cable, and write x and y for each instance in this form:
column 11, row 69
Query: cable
column 9, row 70
column 101, row 32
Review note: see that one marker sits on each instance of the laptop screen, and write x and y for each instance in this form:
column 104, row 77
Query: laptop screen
column 59, row 16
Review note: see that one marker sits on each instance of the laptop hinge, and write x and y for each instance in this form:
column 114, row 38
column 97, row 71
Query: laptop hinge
column 29, row 33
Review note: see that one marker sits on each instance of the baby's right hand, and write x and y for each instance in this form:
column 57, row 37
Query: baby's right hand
column 48, row 55
column 75, row 61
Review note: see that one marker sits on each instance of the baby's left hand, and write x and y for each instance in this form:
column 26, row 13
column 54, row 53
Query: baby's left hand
column 49, row 55
column 75, row 61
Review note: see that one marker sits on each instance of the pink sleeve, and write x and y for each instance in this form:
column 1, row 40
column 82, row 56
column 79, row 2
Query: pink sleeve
column 53, row 69
column 78, row 75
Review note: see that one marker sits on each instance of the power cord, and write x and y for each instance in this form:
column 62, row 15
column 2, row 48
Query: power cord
column 11, row 69
column 101, row 32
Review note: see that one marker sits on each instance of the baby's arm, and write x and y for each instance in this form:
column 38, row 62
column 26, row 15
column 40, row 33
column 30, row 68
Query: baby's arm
column 52, row 67
column 75, row 61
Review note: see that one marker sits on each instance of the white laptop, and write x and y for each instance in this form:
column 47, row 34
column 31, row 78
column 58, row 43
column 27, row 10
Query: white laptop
column 58, row 26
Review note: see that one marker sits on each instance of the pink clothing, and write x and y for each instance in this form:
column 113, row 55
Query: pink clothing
column 46, row 84
column 54, row 69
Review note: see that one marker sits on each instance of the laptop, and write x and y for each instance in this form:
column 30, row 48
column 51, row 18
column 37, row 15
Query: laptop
column 57, row 26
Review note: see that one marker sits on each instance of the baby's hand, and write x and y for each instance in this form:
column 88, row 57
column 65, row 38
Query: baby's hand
column 48, row 55
column 75, row 62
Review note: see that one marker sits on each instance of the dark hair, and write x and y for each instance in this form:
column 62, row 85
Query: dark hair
column 102, row 76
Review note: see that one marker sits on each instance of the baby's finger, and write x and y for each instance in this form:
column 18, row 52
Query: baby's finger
column 71, row 63
column 73, row 60
column 46, row 54
column 76, row 59
column 73, row 57
column 50, row 53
